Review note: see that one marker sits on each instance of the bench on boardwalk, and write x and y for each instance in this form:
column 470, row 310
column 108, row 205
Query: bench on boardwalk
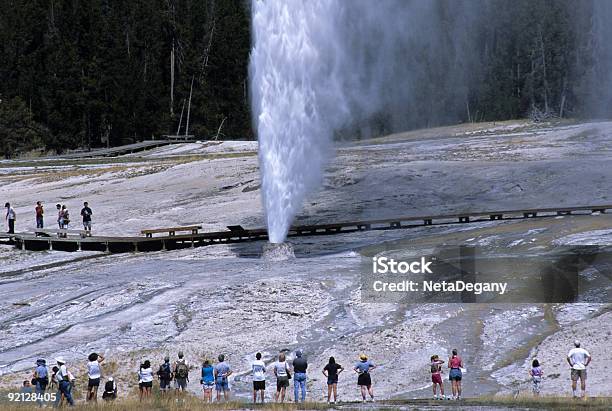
column 172, row 230
column 60, row 232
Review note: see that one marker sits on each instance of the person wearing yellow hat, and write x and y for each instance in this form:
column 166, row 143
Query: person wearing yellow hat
column 364, row 381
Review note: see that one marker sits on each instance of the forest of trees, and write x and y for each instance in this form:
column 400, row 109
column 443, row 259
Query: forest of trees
column 87, row 73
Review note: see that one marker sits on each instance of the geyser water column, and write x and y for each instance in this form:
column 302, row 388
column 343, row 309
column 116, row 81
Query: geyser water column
column 297, row 101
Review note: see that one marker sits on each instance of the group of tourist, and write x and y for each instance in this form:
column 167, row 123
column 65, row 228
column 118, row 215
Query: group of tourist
column 63, row 217
column 217, row 377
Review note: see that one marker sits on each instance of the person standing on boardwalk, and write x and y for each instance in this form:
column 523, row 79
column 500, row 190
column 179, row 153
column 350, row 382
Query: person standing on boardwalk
column 86, row 214
column 40, row 212
column 331, row 372
column 222, row 373
column 299, row 378
column 94, row 371
column 455, row 364
column 60, row 216
column 578, row 358
column 11, row 217
column 259, row 377
column 364, row 381
column 281, row 371
column 65, row 217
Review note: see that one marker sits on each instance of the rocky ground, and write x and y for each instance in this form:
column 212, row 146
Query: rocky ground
column 225, row 299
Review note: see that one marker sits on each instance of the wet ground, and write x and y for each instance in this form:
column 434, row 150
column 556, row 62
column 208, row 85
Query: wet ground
column 225, row 299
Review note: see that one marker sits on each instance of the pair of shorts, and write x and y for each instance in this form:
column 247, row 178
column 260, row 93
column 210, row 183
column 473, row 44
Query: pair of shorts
column 87, row 225
column 208, row 385
column 576, row 374
column 282, row 382
column 259, row 385
column 436, row 378
column 164, row 384
column 364, row 380
column 93, row 382
column 455, row 374
column 148, row 384
column 332, row 380
column 180, row 383
column 222, row 384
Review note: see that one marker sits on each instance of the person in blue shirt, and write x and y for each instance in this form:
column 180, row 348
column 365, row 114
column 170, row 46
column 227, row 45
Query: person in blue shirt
column 222, row 373
column 364, row 381
column 208, row 380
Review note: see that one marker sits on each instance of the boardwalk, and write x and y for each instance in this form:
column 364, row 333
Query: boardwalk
column 27, row 241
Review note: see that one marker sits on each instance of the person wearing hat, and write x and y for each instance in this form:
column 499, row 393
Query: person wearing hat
column 222, row 373
column 578, row 358
column 181, row 373
column 165, row 375
column 40, row 378
column 94, row 372
column 11, row 217
column 299, row 377
column 63, row 379
column 364, row 381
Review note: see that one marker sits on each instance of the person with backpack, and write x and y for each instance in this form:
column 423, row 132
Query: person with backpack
column 299, row 378
column 181, row 373
column 94, row 371
column 40, row 213
column 364, row 381
column 65, row 217
column 64, row 380
column 436, row 376
column 86, row 214
column 110, row 390
column 165, row 376
column 208, row 380
column 283, row 375
column 11, row 217
column 145, row 379
column 222, row 373
column 259, row 378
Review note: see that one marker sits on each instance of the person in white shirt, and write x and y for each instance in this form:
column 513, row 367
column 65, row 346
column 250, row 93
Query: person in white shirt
column 94, row 371
column 259, row 377
column 11, row 217
column 145, row 379
column 63, row 379
column 578, row 359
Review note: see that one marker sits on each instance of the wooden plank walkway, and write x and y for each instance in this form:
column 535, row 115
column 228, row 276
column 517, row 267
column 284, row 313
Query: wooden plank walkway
column 29, row 241
column 119, row 150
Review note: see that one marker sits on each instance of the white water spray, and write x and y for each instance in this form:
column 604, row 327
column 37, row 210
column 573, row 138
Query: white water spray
column 297, row 102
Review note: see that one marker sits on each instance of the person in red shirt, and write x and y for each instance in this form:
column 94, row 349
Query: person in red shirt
column 455, row 364
column 40, row 213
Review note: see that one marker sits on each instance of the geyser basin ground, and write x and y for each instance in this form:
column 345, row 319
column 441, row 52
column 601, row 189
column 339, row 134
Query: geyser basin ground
column 277, row 251
column 225, row 299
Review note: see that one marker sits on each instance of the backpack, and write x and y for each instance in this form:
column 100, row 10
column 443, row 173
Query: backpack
column 164, row 372
column 182, row 371
column 109, row 387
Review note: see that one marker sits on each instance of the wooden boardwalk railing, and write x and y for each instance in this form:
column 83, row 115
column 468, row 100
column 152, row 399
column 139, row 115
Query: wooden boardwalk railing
column 236, row 233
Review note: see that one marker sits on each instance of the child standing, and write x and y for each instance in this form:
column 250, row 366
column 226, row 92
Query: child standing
column 536, row 377
column 436, row 376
